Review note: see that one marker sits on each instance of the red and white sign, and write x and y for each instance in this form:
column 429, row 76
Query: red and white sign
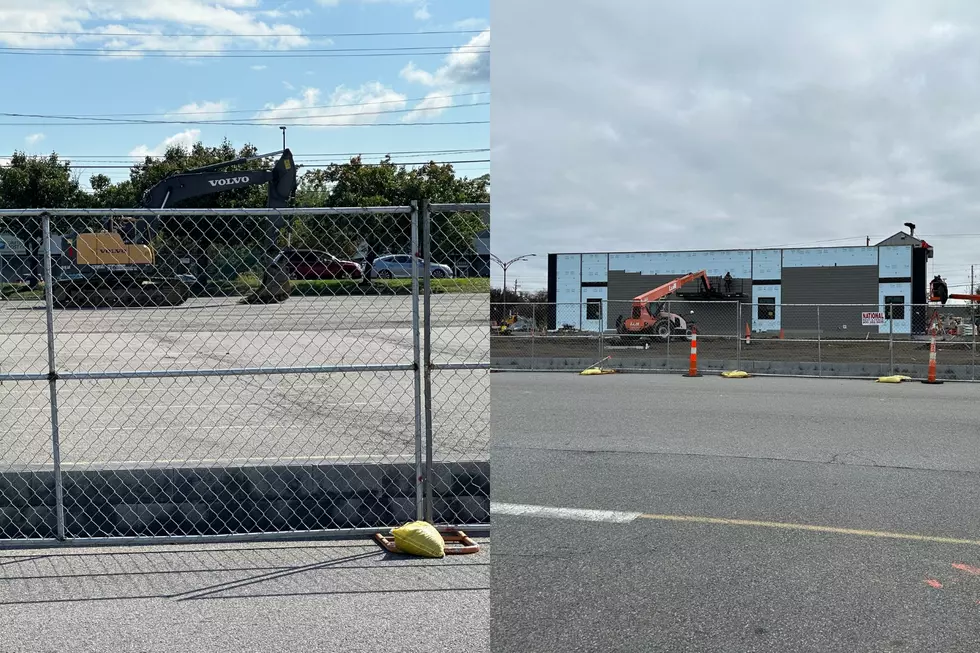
column 872, row 318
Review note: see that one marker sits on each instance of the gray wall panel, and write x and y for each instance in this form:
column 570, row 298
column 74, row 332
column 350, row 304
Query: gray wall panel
column 830, row 285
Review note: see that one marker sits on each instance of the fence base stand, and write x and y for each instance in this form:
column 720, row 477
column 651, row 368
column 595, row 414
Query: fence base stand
column 464, row 545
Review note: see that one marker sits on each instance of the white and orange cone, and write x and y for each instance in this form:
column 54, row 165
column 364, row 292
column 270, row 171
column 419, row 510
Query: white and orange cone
column 692, row 370
column 932, row 361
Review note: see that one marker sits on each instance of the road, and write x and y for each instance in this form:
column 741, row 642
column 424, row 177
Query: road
column 214, row 420
column 304, row 596
column 826, row 480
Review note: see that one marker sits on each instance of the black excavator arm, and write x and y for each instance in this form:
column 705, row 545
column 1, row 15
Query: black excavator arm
column 211, row 179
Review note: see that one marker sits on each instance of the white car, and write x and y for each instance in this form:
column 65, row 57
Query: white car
column 399, row 266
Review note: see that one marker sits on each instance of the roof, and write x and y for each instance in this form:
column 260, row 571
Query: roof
column 901, row 238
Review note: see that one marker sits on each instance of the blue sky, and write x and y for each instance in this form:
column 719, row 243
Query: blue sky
column 324, row 90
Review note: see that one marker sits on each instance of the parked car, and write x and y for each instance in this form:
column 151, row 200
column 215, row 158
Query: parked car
column 308, row 264
column 399, row 266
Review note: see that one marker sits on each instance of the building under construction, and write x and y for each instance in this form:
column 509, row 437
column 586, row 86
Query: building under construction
column 594, row 291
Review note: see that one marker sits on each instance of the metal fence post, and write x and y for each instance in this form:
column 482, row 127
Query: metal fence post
column 59, row 503
column 417, row 360
column 602, row 329
column 819, row 345
column 670, row 327
column 427, row 338
column 973, row 329
column 534, row 329
column 891, row 344
column 738, row 336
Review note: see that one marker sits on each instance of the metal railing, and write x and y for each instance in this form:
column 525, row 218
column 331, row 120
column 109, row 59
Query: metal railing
column 240, row 373
column 841, row 340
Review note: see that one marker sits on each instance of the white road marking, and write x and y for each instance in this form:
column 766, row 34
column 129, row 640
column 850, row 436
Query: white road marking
column 550, row 512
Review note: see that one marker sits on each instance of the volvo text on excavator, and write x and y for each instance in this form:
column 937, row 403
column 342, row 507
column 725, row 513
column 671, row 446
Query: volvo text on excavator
column 649, row 316
column 113, row 268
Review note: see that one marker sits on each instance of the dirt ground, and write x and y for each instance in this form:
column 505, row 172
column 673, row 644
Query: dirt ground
column 717, row 348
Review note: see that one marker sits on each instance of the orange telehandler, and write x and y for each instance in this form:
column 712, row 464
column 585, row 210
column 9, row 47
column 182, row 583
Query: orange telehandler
column 650, row 317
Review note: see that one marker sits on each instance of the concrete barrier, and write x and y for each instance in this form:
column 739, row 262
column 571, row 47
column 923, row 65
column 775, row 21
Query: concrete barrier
column 780, row 368
column 237, row 500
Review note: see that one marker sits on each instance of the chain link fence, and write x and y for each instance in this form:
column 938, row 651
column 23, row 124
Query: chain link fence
column 249, row 373
column 852, row 340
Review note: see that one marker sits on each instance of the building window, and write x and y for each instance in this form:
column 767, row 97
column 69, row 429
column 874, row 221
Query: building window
column 895, row 307
column 767, row 308
column 593, row 309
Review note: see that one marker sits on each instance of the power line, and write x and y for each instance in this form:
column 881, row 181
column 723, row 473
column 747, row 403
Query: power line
column 301, row 165
column 413, row 48
column 315, row 106
column 226, row 35
column 264, row 54
column 276, row 119
column 107, row 157
column 250, row 124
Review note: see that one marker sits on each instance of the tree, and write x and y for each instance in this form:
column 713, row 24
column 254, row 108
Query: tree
column 386, row 184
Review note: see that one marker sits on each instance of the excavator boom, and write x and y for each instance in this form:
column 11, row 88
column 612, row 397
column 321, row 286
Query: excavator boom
column 669, row 287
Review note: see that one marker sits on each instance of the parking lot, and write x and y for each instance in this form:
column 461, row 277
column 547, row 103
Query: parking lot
column 655, row 512
column 293, row 417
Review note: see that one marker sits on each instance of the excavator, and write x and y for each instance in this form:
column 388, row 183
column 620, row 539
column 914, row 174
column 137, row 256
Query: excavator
column 650, row 317
column 115, row 267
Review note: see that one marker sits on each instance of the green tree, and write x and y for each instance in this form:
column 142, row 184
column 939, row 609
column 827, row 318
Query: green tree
column 386, row 184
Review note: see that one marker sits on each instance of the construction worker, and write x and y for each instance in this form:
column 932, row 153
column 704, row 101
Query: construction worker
column 728, row 282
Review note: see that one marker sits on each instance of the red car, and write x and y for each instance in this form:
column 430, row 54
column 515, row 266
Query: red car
column 308, row 264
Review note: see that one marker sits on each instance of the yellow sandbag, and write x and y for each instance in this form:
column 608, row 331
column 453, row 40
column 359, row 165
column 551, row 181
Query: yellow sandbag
column 897, row 378
column 419, row 538
column 736, row 374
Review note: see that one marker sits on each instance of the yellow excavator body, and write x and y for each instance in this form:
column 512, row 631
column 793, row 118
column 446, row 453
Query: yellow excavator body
column 110, row 249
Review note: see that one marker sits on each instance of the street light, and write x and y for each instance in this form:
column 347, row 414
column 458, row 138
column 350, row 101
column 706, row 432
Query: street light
column 506, row 264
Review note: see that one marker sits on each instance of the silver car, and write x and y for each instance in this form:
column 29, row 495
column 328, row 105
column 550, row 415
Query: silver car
column 399, row 266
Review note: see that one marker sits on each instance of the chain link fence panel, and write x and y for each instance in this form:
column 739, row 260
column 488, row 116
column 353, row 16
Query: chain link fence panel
column 217, row 373
column 457, row 362
column 850, row 340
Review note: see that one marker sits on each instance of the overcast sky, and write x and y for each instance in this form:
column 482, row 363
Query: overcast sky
column 642, row 125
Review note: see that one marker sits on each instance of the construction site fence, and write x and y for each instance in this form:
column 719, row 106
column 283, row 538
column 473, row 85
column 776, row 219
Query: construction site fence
column 860, row 340
column 161, row 395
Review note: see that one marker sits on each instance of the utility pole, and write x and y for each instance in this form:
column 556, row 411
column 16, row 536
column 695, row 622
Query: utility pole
column 283, row 128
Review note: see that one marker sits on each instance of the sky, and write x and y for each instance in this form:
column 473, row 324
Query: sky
column 710, row 124
column 265, row 62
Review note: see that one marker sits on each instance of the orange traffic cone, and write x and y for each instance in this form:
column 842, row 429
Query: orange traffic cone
column 932, row 361
column 693, row 368
column 780, row 333
column 748, row 334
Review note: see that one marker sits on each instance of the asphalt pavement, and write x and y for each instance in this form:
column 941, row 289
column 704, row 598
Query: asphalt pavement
column 242, row 419
column 305, row 596
column 648, row 512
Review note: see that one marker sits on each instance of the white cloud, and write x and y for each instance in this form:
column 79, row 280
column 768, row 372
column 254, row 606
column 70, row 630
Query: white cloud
column 289, row 87
column 345, row 106
column 147, row 20
column 422, row 12
column 468, row 64
column 34, row 139
column 801, row 122
column 202, row 110
column 187, row 138
column 259, row 67
column 430, row 106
